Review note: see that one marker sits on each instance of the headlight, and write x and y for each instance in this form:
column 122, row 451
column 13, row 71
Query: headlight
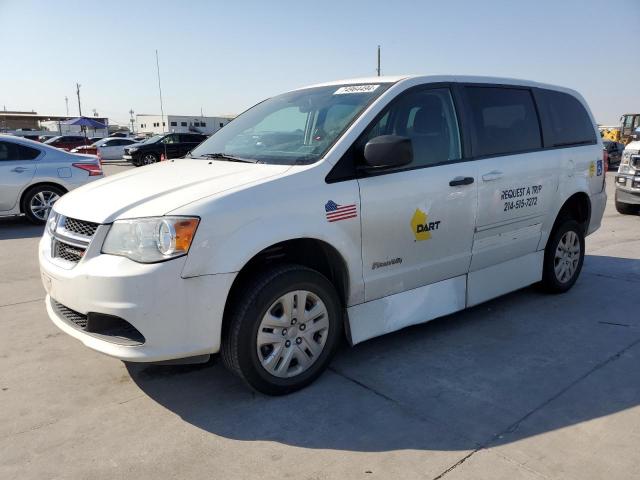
column 52, row 222
column 150, row 240
column 132, row 149
column 626, row 156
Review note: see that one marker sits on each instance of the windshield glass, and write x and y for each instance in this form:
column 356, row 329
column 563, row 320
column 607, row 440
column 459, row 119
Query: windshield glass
column 52, row 139
column 153, row 139
column 293, row 128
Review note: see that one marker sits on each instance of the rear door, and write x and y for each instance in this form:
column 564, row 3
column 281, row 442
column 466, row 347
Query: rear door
column 188, row 142
column 17, row 167
column 517, row 179
column 417, row 221
column 109, row 149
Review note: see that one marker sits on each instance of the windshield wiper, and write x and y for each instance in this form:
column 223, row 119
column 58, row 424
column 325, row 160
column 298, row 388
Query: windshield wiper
column 224, row 156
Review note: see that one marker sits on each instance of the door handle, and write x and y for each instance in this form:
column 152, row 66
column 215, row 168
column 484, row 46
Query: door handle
column 19, row 169
column 461, row 181
column 491, row 176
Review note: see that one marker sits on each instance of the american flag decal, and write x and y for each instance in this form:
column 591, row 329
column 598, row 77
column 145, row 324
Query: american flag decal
column 337, row 212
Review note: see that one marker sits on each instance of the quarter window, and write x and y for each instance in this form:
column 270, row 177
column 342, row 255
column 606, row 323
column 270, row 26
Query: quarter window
column 504, row 120
column 569, row 123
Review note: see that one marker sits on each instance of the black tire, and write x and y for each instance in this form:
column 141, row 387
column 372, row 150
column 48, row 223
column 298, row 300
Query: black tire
column 239, row 337
column 148, row 159
column 28, row 199
column 625, row 208
column 550, row 280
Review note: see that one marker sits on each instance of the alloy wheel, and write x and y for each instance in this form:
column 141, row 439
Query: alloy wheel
column 41, row 204
column 148, row 159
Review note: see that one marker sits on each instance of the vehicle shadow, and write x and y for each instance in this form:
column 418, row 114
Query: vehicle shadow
column 515, row 367
column 18, row 227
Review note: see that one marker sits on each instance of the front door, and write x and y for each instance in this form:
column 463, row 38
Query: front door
column 418, row 220
column 171, row 146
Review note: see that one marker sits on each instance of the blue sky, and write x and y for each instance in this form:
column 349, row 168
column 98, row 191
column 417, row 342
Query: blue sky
column 225, row 56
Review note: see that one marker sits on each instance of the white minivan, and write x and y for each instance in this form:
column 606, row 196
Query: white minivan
column 355, row 207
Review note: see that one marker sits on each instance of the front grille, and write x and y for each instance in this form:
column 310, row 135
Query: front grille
column 71, row 315
column 80, row 227
column 71, row 239
column 67, row 252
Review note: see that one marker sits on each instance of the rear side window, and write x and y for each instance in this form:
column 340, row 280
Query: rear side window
column 13, row 151
column 568, row 122
column 504, row 120
column 27, row 153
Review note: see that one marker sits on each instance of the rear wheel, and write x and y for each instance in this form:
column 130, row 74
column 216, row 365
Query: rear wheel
column 563, row 257
column 38, row 201
column 283, row 332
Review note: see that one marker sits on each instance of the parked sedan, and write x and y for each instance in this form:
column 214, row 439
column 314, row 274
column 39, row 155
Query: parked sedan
column 170, row 145
column 106, row 148
column 34, row 175
column 68, row 142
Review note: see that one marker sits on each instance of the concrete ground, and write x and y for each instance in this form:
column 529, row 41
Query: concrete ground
column 527, row 386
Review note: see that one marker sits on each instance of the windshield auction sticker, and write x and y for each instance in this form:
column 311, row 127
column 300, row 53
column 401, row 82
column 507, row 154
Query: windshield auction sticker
column 521, row 197
column 356, row 89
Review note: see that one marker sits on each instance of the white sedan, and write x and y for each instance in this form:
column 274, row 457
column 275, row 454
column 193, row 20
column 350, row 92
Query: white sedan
column 106, row 148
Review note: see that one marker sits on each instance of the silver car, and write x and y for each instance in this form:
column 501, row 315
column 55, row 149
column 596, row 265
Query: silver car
column 33, row 176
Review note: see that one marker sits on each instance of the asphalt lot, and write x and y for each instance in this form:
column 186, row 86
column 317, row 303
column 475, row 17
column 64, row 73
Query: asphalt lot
column 527, row 386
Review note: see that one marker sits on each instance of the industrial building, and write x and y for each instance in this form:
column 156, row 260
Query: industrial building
column 153, row 124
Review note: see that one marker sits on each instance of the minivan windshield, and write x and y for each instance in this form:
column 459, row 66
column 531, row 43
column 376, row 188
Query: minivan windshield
column 294, row 128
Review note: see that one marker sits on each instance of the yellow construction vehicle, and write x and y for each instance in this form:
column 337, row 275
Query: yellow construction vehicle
column 609, row 133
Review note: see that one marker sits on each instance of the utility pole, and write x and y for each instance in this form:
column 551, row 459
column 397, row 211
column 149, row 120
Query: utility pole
column 378, row 69
column 66, row 102
column 131, row 112
column 160, row 90
column 78, row 93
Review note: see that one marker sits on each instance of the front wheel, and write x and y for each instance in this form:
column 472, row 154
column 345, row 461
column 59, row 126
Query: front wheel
column 563, row 257
column 284, row 330
column 148, row 159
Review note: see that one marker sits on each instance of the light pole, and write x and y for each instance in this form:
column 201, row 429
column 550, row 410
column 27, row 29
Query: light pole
column 78, row 93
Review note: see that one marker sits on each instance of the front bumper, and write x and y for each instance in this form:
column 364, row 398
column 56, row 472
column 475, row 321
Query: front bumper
column 178, row 317
column 628, row 188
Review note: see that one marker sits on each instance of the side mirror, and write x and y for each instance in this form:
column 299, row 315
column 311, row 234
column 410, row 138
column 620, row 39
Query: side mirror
column 388, row 151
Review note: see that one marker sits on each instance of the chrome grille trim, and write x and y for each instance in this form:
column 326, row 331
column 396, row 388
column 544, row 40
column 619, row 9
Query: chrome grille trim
column 71, row 239
column 79, row 227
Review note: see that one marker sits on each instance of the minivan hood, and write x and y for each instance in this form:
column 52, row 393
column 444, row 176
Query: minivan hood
column 157, row 189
